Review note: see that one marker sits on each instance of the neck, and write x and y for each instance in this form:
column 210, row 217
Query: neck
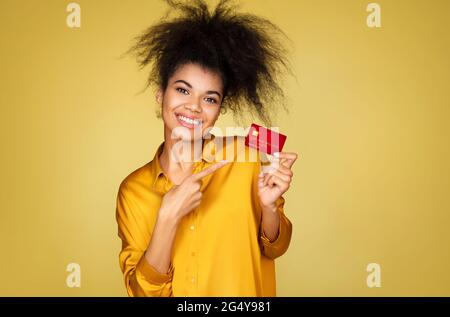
column 180, row 155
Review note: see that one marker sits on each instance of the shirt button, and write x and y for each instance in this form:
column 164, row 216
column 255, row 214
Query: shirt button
column 192, row 227
column 193, row 253
column 193, row 280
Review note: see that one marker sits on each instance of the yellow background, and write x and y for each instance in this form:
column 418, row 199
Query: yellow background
column 369, row 118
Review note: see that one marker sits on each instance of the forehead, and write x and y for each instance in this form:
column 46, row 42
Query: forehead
column 199, row 77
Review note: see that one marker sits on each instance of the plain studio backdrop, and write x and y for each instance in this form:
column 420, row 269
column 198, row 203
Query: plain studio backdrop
column 369, row 116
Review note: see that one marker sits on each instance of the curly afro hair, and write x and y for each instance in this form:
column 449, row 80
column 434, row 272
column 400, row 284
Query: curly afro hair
column 247, row 51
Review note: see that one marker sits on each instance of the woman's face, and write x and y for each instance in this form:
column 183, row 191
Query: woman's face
column 191, row 102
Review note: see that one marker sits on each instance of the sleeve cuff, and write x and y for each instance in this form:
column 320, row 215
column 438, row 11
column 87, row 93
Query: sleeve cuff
column 151, row 274
column 266, row 240
column 279, row 204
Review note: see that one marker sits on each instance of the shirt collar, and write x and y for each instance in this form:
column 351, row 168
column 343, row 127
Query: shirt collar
column 208, row 156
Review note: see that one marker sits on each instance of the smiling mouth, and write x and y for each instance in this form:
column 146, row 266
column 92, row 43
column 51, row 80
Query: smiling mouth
column 188, row 122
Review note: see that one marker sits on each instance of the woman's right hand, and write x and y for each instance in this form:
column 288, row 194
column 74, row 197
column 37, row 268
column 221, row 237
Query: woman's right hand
column 182, row 199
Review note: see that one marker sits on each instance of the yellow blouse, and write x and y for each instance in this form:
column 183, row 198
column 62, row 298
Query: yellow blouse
column 220, row 248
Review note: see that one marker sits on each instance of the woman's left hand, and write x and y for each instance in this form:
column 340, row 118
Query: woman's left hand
column 275, row 181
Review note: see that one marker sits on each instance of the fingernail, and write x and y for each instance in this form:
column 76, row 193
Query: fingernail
column 276, row 154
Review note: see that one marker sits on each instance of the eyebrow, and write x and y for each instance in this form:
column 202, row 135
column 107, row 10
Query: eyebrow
column 209, row 92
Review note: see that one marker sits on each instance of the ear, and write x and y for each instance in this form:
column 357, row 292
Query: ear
column 159, row 96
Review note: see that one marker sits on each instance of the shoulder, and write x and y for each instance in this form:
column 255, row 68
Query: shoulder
column 137, row 179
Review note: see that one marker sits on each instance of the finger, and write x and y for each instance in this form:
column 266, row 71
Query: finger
column 209, row 170
column 287, row 163
column 267, row 169
column 287, row 155
column 284, row 177
column 261, row 177
column 197, row 196
column 275, row 167
column 284, row 170
column 262, row 188
column 275, row 180
column 287, row 158
column 260, row 183
column 267, row 179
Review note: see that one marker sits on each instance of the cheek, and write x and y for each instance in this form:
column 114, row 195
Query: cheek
column 168, row 115
column 170, row 100
column 212, row 113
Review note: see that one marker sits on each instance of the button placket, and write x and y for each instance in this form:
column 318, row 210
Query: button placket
column 193, row 229
column 193, row 277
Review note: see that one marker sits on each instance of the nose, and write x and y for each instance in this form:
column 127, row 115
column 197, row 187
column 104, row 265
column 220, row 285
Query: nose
column 194, row 106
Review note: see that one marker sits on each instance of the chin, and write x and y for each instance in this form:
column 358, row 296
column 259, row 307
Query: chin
column 186, row 134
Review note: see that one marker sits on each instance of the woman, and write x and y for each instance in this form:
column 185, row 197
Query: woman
column 190, row 225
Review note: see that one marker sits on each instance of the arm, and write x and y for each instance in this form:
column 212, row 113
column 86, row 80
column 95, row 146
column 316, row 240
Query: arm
column 270, row 222
column 275, row 227
column 145, row 258
column 146, row 268
column 275, row 231
column 159, row 250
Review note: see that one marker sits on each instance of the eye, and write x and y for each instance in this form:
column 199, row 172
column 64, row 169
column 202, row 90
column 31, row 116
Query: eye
column 182, row 90
column 211, row 100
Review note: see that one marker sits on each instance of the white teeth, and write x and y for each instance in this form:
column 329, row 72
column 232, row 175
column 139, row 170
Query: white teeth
column 187, row 120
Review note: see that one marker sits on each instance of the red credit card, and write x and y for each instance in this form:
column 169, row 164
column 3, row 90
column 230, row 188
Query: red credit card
column 265, row 140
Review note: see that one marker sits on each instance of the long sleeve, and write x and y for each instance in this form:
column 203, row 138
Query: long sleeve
column 280, row 245
column 140, row 278
column 276, row 248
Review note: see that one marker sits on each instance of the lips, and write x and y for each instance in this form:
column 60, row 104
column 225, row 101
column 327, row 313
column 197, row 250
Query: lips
column 188, row 116
column 188, row 121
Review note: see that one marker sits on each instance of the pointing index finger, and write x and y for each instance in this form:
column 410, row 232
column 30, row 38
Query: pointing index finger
column 209, row 170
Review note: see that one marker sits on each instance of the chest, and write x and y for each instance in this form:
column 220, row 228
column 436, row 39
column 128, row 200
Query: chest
column 178, row 176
